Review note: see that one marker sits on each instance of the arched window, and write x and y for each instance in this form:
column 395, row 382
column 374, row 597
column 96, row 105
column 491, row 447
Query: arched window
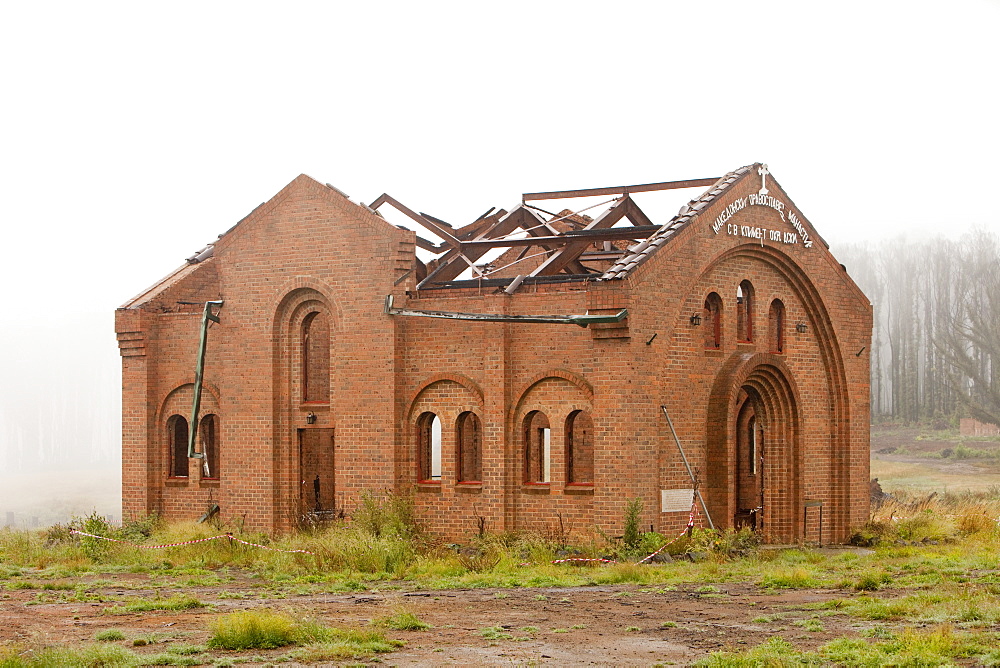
column 744, row 311
column 537, row 444
column 428, row 448
column 470, row 446
column 316, row 358
column 579, row 448
column 208, row 428
column 713, row 321
column 776, row 326
column 177, row 437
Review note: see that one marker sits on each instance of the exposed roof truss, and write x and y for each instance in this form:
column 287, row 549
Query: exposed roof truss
column 531, row 242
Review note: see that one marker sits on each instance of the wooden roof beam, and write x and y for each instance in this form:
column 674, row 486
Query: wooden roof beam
column 427, row 223
column 635, row 215
column 590, row 236
column 569, row 253
column 451, row 265
column 619, row 190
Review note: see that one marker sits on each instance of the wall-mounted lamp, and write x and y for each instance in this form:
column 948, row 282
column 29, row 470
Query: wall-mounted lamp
column 310, row 418
column 800, row 328
column 696, row 319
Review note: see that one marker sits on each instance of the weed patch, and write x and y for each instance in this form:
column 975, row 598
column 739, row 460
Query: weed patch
column 402, row 621
column 176, row 603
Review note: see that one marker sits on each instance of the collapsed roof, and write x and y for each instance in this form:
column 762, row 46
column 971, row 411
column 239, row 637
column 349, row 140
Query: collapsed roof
column 540, row 244
column 535, row 245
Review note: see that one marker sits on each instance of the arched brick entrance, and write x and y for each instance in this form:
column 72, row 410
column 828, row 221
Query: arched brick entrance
column 754, row 454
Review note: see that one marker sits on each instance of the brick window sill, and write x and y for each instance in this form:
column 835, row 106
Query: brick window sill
column 535, row 487
column 429, row 486
column 584, row 488
column 469, row 487
column 176, row 482
column 714, row 352
column 209, row 482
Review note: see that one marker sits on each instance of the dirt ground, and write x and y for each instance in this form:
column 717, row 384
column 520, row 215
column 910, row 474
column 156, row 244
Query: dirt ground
column 598, row 626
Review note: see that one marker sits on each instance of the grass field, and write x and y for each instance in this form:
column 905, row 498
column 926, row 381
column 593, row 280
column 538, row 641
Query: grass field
column 922, row 588
column 925, row 460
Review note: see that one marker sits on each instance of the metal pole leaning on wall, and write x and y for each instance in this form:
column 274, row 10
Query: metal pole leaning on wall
column 198, row 373
column 694, row 481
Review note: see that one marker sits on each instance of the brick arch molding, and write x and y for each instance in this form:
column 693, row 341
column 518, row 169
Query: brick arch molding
column 297, row 290
column 579, row 381
column 772, row 387
column 172, row 395
column 465, row 382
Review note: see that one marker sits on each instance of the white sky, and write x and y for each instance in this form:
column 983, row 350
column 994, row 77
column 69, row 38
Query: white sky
column 133, row 133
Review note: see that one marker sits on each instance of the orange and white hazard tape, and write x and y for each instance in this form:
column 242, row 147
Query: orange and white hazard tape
column 690, row 525
column 189, row 542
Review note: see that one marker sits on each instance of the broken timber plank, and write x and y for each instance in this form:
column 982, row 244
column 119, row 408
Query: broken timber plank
column 590, row 236
column 580, row 320
column 437, row 229
column 619, row 190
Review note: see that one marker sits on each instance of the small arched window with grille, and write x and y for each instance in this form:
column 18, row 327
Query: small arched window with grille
column 428, row 448
column 470, row 447
column 177, row 438
column 579, row 448
column 537, row 441
column 776, row 326
column 744, row 311
column 316, row 358
column 712, row 318
column 208, row 427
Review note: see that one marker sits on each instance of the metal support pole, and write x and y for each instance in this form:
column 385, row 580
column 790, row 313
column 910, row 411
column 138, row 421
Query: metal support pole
column 199, row 369
column 694, row 480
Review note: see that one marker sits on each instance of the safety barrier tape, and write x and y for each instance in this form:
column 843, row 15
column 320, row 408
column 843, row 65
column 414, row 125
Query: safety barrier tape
column 190, row 542
column 146, row 547
column 690, row 524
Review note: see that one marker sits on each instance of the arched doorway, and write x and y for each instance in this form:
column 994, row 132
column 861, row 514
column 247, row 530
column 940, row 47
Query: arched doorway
column 749, row 464
column 754, row 454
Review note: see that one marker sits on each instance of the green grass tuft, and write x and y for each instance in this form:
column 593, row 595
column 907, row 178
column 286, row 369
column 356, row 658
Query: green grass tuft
column 252, row 629
column 90, row 656
column 176, row 603
column 109, row 635
column 402, row 621
column 346, row 643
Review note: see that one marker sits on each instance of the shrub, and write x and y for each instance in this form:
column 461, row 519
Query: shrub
column 631, row 535
column 975, row 521
column 872, row 533
column 95, row 548
column 390, row 514
column 479, row 561
column 109, row 635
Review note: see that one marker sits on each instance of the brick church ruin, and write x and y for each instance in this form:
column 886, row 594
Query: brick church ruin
column 530, row 370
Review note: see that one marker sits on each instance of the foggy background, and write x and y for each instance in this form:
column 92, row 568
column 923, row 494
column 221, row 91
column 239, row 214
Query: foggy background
column 133, row 134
